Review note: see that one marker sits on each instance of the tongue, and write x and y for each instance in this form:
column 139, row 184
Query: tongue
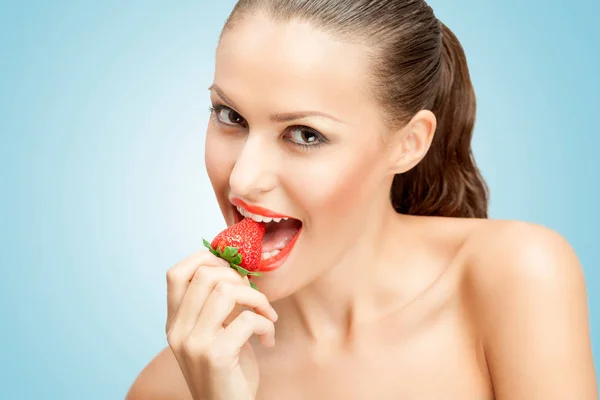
column 278, row 235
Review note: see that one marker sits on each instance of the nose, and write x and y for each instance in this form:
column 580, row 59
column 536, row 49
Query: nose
column 254, row 171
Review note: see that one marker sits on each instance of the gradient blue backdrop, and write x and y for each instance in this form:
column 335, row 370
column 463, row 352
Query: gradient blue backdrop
column 103, row 107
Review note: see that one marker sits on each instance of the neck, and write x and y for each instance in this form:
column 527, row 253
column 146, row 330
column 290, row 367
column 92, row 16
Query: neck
column 356, row 291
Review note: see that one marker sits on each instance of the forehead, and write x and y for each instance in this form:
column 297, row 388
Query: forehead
column 289, row 66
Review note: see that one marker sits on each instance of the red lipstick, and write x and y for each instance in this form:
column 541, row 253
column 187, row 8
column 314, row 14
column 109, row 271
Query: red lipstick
column 256, row 209
column 276, row 261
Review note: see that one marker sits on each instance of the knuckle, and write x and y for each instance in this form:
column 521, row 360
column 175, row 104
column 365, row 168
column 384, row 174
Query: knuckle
column 180, row 271
column 173, row 338
column 174, row 275
column 223, row 288
column 202, row 274
column 247, row 316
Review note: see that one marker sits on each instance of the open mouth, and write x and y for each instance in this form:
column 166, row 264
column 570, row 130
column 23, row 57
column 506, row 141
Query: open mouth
column 280, row 236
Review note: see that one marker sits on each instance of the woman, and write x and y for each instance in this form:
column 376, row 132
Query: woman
column 319, row 108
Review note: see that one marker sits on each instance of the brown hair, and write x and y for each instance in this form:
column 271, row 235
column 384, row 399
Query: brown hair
column 418, row 64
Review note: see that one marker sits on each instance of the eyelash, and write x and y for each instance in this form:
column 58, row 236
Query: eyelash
column 215, row 109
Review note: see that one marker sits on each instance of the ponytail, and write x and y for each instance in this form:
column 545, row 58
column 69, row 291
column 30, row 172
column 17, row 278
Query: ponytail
column 447, row 181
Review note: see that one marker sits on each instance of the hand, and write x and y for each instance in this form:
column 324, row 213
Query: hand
column 216, row 359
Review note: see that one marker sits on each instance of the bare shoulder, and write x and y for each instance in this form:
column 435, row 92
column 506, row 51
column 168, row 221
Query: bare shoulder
column 161, row 379
column 520, row 262
column 527, row 289
column 500, row 254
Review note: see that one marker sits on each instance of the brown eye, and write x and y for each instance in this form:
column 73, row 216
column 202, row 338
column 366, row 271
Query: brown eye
column 229, row 117
column 304, row 137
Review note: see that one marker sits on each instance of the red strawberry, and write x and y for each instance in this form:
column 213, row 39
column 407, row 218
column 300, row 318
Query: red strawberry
column 240, row 245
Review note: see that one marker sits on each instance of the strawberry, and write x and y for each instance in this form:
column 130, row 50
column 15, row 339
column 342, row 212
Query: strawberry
column 241, row 246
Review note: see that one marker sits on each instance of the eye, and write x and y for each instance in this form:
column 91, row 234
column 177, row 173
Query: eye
column 227, row 116
column 304, row 136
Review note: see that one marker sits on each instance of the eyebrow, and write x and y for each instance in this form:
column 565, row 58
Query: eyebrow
column 283, row 117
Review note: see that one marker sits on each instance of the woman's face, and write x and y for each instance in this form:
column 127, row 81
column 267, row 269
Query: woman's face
column 295, row 131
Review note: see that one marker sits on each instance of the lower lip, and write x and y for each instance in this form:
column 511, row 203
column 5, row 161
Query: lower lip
column 277, row 261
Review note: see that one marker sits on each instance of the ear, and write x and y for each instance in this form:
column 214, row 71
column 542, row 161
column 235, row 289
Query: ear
column 411, row 143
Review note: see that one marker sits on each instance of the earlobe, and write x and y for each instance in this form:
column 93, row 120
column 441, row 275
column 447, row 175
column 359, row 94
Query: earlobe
column 413, row 142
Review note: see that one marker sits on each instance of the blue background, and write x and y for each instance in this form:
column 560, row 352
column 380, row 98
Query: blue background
column 103, row 108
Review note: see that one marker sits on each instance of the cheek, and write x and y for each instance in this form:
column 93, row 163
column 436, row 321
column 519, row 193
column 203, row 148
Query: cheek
column 337, row 186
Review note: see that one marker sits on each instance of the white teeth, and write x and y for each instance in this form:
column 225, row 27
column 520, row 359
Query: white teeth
column 268, row 254
column 259, row 218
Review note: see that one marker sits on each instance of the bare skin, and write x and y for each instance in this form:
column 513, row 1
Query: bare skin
column 371, row 304
column 488, row 324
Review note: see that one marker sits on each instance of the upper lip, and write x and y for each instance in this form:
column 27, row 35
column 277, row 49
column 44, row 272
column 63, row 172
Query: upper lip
column 256, row 209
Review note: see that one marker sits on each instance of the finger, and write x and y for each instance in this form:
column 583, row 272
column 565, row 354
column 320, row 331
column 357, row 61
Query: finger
column 223, row 300
column 240, row 330
column 179, row 276
column 201, row 286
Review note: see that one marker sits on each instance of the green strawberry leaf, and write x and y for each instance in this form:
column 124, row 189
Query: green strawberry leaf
column 231, row 255
column 239, row 269
column 209, row 247
column 244, row 271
